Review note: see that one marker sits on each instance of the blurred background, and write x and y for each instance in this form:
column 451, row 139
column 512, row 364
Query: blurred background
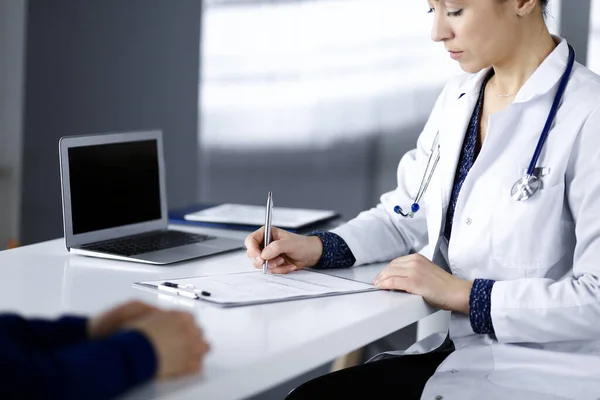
column 316, row 100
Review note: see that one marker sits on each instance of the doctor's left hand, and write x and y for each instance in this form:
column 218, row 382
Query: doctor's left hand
column 416, row 274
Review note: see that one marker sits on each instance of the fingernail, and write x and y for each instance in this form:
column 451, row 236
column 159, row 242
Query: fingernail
column 258, row 259
column 293, row 268
column 375, row 283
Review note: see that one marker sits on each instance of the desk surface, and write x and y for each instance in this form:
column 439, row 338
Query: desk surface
column 253, row 348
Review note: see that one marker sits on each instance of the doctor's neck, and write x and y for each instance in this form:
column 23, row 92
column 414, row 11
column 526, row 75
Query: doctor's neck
column 536, row 44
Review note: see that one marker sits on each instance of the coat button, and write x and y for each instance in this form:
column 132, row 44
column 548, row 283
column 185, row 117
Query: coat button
column 469, row 221
column 438, row 397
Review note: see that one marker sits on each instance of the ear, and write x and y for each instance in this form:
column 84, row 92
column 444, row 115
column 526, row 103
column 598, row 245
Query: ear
column 525, row 7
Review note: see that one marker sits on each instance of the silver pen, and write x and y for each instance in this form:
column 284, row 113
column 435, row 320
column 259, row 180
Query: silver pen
column 268, row 218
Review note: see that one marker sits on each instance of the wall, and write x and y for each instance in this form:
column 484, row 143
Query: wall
column 105, row 66
column 575, row 24
column 594, row 43
column 12, row 40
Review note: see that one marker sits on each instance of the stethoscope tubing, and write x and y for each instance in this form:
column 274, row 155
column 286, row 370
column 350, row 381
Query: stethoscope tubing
column 427, row 175
column 553, row 111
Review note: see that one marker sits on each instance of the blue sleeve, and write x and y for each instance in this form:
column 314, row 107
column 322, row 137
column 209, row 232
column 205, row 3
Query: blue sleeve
column 44, row 334
column 95, row 370
column 480, row 309
column 336, row 253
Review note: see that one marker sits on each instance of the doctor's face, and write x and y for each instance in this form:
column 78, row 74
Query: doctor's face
column 476, row 33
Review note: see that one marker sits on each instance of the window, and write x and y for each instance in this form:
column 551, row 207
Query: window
column 306, row 73
column 594, row 43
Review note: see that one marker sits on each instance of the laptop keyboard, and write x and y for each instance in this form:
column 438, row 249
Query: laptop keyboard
column 145, row 243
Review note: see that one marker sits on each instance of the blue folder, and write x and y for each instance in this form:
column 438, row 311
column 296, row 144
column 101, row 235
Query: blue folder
column 177, row 216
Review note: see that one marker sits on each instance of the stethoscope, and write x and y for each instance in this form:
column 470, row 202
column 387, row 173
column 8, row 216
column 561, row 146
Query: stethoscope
column 524, row 187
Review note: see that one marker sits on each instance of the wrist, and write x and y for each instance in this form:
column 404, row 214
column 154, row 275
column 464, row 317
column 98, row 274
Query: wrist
column 90, row 328
column 463, row 296
column 102, row 326
column 317, row 250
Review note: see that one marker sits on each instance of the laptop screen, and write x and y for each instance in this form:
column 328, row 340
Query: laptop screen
column 114, row 185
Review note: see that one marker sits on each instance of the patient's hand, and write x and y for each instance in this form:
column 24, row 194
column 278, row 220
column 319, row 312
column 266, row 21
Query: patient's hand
column 178, row 342
column 117, row 317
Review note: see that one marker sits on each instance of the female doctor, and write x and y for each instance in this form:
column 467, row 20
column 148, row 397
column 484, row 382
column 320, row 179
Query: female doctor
column 496, row 218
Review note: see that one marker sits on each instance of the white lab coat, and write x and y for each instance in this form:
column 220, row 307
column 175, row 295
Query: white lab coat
column 544, row 253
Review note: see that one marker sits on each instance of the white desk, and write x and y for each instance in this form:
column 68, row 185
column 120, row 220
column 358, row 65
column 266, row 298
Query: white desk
column 253, row 348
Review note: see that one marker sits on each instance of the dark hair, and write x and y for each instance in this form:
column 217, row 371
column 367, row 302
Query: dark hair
column 544, row 4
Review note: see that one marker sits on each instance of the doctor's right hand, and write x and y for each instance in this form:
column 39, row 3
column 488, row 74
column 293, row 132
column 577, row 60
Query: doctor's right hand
column 287, row 251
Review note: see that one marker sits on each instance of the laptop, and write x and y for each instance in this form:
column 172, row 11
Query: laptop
column 115, row 205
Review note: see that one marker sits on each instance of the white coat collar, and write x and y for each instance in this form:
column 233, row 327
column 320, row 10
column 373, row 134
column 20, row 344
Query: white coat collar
column 545, row 77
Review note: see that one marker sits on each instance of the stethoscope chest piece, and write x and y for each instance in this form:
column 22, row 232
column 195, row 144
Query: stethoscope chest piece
column 525, row 187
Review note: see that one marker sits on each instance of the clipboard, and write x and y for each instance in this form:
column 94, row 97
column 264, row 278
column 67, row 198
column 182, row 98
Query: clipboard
column 254, row 287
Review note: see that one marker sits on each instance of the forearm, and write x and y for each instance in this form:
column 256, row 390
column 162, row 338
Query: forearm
column 336, row 253
column 378, row 235
column 98, row 370
column 44, row 334
column 542, row 310
column 479, row 306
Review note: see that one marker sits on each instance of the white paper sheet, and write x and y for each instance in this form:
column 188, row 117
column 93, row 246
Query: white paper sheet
column 255, row 287
column 292, row 218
